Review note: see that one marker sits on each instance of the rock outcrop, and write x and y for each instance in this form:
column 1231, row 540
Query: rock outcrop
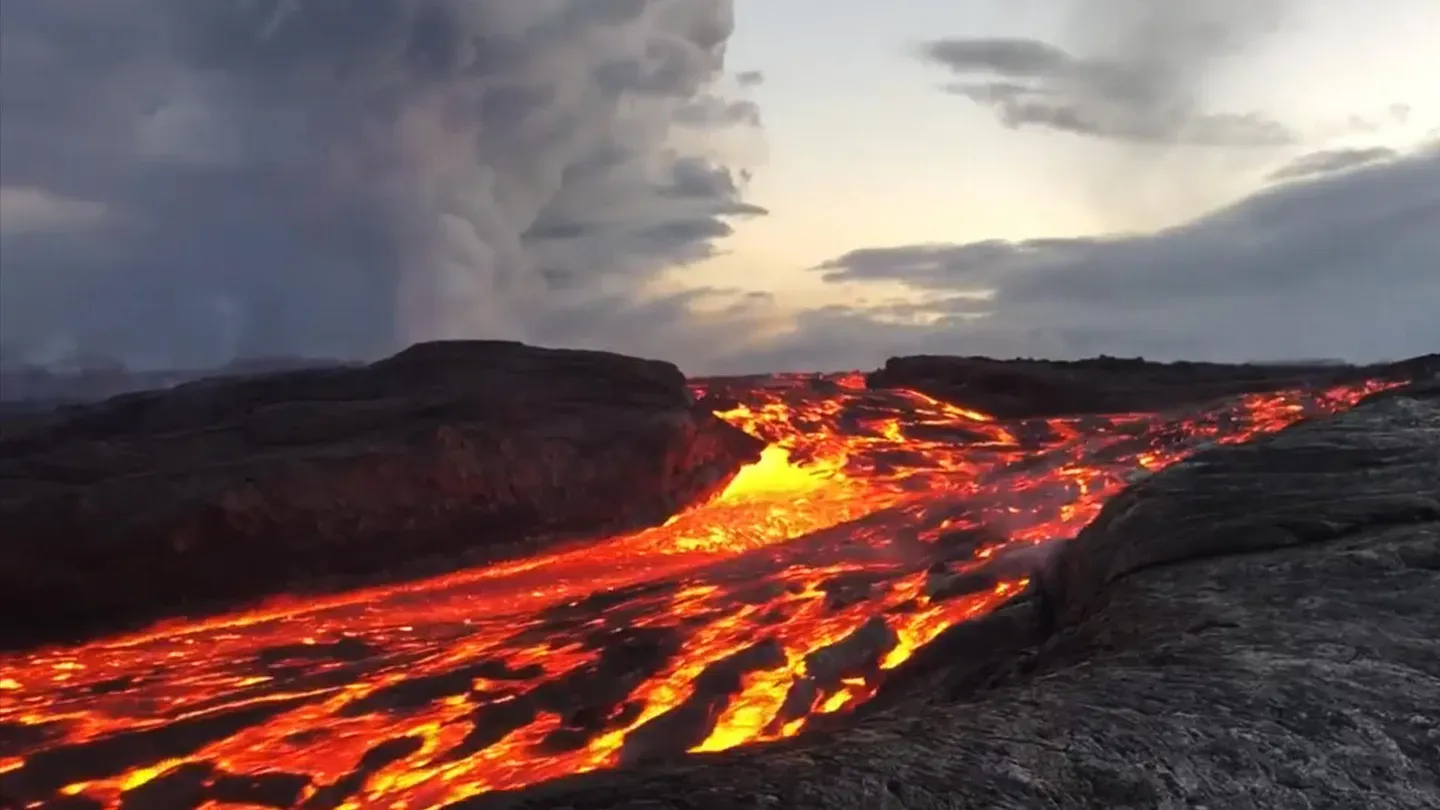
column 1253, row 628
column 226, row 489
column 1018, row 389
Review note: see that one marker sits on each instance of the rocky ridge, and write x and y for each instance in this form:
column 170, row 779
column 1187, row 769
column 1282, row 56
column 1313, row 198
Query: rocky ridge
column 222, row 490
column 1039, row 388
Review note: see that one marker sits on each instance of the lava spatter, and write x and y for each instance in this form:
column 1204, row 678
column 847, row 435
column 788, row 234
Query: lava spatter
column 867, row 528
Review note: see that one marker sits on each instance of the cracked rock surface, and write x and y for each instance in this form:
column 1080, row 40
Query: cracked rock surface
column 1258, row 627
column 218, row 491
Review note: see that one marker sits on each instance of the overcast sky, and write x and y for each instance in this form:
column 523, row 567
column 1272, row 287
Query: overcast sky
column 771, row 185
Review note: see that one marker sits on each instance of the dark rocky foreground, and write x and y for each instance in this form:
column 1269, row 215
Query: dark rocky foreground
column 1258, row 627
column 225, row 489
column 1018, row 389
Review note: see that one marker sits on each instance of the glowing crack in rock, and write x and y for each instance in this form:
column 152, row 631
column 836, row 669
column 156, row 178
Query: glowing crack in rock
column 788, row 597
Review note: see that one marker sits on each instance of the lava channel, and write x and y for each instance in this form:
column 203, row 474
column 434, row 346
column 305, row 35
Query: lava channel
column 873, row 521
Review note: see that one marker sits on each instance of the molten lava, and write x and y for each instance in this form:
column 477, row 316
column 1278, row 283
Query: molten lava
column 874, row 521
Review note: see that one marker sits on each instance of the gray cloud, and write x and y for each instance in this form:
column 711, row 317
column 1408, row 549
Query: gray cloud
column 1141, row 82
column 699, row 328
column 976, row 265
column 1396, row 113
column 712, row 110
column 750, row 78
column 33, row 210
column 1327, row 161
column 334, row 178
column 1334, row 265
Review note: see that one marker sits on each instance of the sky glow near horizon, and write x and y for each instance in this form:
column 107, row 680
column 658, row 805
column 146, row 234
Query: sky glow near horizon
column 864, row 149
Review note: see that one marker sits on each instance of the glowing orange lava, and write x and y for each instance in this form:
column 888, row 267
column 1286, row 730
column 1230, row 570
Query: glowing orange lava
column 720, row 628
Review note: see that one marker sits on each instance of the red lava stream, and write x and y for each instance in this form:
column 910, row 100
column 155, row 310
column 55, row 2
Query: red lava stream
column 723, row 627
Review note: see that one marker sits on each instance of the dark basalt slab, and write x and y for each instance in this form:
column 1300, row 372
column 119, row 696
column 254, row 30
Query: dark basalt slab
column 1018, row 389
column 1258, row 627
column 222, row 490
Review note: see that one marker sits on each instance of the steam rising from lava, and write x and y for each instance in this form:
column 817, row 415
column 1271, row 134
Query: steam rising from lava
column 332, row 178
column 873, row 522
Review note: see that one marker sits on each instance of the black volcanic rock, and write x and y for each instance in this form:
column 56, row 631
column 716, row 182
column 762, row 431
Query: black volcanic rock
column 1040, row 388
column 1258, row 627
column 229, row 488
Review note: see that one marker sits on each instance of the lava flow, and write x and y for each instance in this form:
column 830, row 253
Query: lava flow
column 873, row 521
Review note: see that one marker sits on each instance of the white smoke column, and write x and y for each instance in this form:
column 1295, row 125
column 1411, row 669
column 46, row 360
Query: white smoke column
column 464, row 190
column 353, row 175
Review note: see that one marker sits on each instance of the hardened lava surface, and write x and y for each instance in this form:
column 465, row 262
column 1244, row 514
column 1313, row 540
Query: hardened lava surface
column 873, row 521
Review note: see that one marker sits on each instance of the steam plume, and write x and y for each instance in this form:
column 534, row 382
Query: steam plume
column 334, row 178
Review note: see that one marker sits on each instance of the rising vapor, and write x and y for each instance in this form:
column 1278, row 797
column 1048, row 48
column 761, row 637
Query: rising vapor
column 335, row 178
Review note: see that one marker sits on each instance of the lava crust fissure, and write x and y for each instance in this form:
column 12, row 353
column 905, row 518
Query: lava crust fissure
column 1272, row 669
column 851, row 584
